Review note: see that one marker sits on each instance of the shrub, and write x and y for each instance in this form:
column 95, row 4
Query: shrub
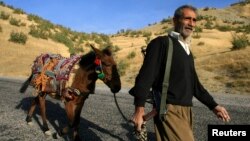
column 146, row 34
column 18, row 11
column 62, row 38
column 37, row 32
column 198, row 29
column 238, row 22
column 78, row 49
column 165, row 27
column 131, row 55
column 197, row 32
column 208, row 25
column 1, row 29
column 147, row 40
column 2, row 3
column 122, row 66
column 201, row 44
column 16, row 37
column 15, row 22
column 244, row 29
column 206, row 9
column 167, row 20
column 98, row 40
column 240, row 41
column 105, row 38
column 4, row 16
column 72, row 50
column 22, row 24
column 35, row 18
column 115, row 48
column 133, row 33
column 196, row 36
column 224, row 28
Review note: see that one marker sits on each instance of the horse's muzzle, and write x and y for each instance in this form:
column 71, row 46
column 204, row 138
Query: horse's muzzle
column 116, row 89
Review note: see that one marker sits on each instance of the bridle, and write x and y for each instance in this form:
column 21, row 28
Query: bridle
column 98, row 68
column 98, row 71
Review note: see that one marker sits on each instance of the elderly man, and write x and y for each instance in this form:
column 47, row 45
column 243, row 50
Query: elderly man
column 183, row 81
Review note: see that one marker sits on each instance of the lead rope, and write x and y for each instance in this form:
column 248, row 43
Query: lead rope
column 119, row 109
column 138, row 135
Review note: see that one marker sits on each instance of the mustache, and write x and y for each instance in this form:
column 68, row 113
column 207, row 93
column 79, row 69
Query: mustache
column 190, row 28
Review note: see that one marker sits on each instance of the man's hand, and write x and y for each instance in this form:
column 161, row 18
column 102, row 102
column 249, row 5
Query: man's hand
column 137, row 117
column 221, row 113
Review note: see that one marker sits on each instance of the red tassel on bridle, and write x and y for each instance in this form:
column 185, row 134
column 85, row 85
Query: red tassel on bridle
column 97, row 61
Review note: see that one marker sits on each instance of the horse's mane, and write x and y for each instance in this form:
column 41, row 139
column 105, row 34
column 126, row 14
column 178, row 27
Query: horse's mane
column 87, row 59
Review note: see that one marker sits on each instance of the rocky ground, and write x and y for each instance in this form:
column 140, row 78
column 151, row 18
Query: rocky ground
column 100, row 118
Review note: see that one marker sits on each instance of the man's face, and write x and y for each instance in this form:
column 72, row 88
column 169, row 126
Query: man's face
column 185, row 24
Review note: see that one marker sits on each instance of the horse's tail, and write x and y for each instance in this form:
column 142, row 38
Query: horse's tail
column 25, row 85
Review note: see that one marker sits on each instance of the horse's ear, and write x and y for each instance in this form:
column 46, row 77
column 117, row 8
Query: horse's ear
column 96, row 50
column 108, row 51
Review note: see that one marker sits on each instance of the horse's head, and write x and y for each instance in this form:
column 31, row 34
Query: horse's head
column 106, row 69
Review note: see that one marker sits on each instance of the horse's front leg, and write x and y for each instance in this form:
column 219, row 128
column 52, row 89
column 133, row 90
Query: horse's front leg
column 42, row 105
column 73, row 112
column 76, row 123
column 31, row 110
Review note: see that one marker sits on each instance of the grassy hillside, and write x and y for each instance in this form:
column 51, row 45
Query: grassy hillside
column 220, row 69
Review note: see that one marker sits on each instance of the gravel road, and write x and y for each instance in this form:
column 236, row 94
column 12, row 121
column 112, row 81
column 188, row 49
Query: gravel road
column 100, row 118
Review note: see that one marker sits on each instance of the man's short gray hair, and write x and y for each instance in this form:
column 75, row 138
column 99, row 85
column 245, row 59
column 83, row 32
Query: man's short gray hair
column 179, row 11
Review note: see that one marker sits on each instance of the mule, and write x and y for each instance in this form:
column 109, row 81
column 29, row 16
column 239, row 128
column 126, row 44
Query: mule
column 97, row 64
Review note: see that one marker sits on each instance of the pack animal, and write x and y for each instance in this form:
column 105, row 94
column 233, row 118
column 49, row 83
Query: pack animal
column 49, row 78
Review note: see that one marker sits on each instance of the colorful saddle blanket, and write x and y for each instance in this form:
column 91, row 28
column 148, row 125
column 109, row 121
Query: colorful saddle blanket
column 49, row 69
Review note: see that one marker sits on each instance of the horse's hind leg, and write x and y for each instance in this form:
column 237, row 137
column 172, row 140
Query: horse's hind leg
column 42, row 105
column 31, row 110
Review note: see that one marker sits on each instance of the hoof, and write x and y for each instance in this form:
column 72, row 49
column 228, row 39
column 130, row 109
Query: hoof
column 55, row 136
column 30, row 123
column 28, row 119
column 48, row 133
column 77, row 138
column 62, row 132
